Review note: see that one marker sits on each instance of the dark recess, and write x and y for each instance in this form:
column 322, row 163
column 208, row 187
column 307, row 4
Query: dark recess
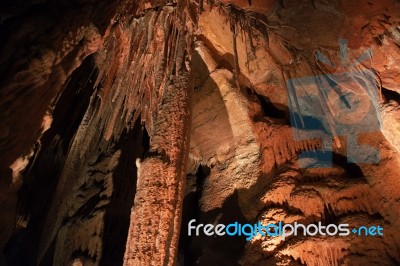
column 43, row 171
column 133, row 144
column 390, row 95
column 270, row 109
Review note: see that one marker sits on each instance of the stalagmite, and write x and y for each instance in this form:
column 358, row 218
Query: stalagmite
column 156, row 214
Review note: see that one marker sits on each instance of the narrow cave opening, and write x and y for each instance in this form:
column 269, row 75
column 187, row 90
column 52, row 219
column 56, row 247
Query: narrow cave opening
column 133, row 144
column 353, row 170
column 390, row 95
column 145, row 142
column 269, row 108
column 191, row 210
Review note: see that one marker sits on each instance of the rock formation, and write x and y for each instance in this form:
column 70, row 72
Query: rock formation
column 123, row 120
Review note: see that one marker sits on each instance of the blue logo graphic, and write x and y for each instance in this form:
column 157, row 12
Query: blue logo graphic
column 280, row 229
column 330, row 106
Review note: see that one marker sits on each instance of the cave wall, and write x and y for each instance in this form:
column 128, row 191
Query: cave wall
column 107, row 106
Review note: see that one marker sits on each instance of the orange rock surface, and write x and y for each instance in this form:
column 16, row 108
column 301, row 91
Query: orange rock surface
column 123, row 120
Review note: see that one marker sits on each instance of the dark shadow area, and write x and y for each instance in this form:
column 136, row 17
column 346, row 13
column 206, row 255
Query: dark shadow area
column 352, row 169
column 224, row 61
column 24, row 26
column 200, row 70
column 269, row 108
column 327, row 158
column 191, row 211
column 225, row 250
column 218, row 250
column 390, row 95
column 42, row 173
column 133, row 144
column 310, row 122
column 145, row 142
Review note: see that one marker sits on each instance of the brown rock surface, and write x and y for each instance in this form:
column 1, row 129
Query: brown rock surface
column 123, row 120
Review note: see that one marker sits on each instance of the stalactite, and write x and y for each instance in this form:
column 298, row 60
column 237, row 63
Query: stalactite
column 200, row 7
column 250, row 47
column 163, row 171
column 236, row 71
column 161, row 176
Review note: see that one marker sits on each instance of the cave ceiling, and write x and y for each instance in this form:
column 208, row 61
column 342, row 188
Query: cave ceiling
column 121, row 121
